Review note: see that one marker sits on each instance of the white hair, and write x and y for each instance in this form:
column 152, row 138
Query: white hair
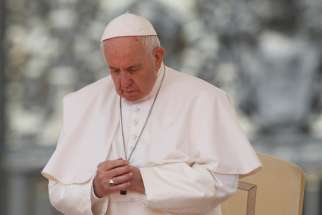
column 150, row 43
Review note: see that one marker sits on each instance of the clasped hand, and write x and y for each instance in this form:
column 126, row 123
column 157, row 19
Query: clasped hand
column 125, row 177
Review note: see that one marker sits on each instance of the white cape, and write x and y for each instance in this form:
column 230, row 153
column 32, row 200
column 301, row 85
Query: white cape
column 192, row 122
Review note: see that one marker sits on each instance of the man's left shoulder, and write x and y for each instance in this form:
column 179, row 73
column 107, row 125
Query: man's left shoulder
column 193, row 86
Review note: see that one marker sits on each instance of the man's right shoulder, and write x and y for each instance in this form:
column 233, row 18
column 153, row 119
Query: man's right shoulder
column 83, row 103
column 92, row 90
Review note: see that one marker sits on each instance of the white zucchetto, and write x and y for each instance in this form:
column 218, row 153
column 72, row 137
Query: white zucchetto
column 128, row 25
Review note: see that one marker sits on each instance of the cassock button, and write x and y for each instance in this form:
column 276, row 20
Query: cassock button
column 135, row 122
column 137, row 109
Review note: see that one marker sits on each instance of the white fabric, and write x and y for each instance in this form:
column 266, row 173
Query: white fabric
column 192, row 134
column 74, row 199
column 69, row 198
column 128, row 25
column 134, row 115
column 225, row 186
column 194, row 118
column 98, row 205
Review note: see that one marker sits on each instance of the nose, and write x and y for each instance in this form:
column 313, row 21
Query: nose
column 125, row 80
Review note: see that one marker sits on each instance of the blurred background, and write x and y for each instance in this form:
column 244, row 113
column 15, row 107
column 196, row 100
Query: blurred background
column 265, row 53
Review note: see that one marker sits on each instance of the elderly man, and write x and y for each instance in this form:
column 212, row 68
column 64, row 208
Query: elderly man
column 147, row 139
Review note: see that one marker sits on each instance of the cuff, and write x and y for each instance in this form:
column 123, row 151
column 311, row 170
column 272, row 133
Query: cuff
column 99, row 205
column 94, row 198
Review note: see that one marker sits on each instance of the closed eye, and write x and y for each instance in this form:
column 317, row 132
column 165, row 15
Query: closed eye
column 133, row 69
column 114, row 71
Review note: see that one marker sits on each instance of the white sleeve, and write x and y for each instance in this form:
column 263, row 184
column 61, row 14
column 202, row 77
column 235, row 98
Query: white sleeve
column 76, row 199
column 99, row 205
column 179, row 188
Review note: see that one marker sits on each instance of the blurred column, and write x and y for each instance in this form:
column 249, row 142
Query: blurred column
column 2, row 101
column 312, row 195
column 2, row 73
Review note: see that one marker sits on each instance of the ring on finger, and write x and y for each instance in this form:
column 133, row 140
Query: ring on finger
column 111, row 182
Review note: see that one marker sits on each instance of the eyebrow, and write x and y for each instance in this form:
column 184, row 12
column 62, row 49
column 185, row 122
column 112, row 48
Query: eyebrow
column 129, row 67
column 134, row 66
column 112, row 68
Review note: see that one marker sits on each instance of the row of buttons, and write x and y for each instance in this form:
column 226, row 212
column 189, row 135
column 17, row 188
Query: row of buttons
column 137, row 109
column 134, row 137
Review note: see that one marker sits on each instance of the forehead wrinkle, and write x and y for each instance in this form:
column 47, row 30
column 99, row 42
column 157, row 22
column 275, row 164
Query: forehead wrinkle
column 124, row 61
column 124, row 52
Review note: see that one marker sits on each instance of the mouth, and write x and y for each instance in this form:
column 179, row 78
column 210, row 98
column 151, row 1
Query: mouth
column 128, row 92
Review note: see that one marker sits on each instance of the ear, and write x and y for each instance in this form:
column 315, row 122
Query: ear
column 158, row 54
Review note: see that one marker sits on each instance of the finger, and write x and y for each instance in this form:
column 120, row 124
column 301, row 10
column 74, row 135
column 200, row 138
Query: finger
column 118, row 171
column 111, row 164
column 123, row 178
column 119, row 187
column 133, row 168
column 104, row 176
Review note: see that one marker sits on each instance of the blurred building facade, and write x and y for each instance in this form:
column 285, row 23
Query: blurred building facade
column 265, row 53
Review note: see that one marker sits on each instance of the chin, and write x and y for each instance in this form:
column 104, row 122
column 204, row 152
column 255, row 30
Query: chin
column 132, row 98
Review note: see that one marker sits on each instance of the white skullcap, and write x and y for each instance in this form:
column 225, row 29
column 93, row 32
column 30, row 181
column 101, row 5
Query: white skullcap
column 128, row 25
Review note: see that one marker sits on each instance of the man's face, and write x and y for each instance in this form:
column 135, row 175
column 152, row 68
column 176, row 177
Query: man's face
column 133, row 69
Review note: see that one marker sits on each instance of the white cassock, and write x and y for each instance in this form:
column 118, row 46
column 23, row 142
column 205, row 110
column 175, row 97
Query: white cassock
column 190, row 154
